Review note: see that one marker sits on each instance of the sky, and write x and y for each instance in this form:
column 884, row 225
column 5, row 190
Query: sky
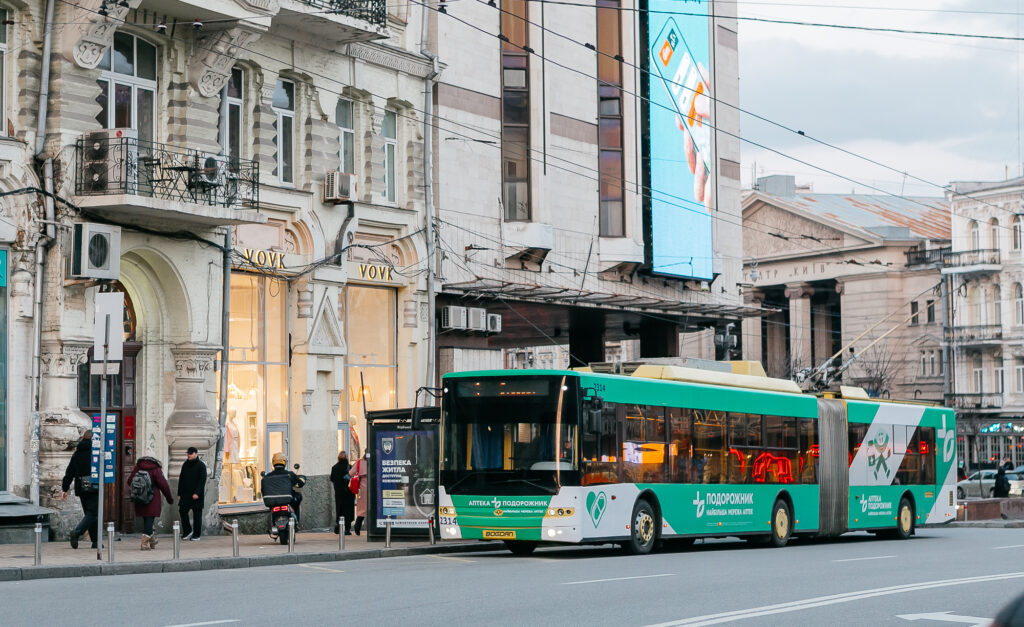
column 938, row 108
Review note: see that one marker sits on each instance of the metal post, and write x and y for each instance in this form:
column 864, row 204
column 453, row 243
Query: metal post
column 234, row 537
column 387, row 533
column 177, row 539
column 110, row 542
column 103, row 437
column 430, row 528
column 39, row 544
column 341, row 533
column 291, row 535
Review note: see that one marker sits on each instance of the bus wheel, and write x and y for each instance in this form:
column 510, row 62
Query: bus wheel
column 519, row 547
column 904, row 519
column 643, row 532
column 782, row 526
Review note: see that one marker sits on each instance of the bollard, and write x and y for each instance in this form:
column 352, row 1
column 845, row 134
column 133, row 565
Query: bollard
column 291, row 535
column 430, row 528
column 341, row 533
column 234, row 537
column 387, row 533
column 110, row 543
column 39, row 544
column 177, row 540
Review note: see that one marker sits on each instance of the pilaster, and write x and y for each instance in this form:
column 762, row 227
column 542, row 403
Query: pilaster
column 191, row 422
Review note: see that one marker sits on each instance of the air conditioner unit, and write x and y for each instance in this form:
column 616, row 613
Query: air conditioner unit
column 453, row 317
column 494, row 323
column 339, row 187
column 477, row 319
column 97, row 251
column 110, row 162
column 216, row 180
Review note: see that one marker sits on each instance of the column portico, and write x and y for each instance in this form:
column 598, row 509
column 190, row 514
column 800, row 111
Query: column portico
column 799, row 295
column 191, row 422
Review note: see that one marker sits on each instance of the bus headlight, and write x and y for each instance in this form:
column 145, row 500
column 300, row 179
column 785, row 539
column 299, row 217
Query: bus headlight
column 560, row 512
column 446, row 511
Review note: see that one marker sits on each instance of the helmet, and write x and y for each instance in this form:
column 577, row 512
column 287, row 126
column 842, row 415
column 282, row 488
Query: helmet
column 279, row 459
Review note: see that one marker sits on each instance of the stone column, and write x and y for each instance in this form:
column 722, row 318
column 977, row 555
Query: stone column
column 799, row 295
column 191, row 422
column 751, row 327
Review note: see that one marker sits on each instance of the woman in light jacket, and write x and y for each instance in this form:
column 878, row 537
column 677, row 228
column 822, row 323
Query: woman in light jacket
column 364, row 493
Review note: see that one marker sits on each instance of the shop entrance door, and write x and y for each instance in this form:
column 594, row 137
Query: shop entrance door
column 277, row 442
column 343, row 439
column 117, row 507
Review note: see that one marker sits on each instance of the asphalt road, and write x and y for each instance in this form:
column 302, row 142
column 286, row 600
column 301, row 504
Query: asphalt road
column 856, row 580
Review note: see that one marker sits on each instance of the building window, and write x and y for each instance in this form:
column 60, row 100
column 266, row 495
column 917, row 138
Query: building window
column 389, row 130
column 231, row 118
column 515, row 116
column 924, row 364
column 931, row 357
column 979, row 375
column 372, row 360
column 128, row 86
column 975, row 236
column 930, row 309
column 609, row 135
column 257, row 403
column 998, row 377
column 1018, row 304
column 1018, row 371
column 913, row 313
column 993, row 230
column 1016, row 232
column 343, row 117
column 283, row 104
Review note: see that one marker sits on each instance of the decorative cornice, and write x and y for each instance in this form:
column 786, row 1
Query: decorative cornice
column 391, row 58
column 66, row 362
column 216, row 52
column 95, row 32
column 193, row 363
column 799, row 290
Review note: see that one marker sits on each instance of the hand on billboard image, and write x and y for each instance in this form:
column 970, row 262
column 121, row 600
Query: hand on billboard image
column 694, row 159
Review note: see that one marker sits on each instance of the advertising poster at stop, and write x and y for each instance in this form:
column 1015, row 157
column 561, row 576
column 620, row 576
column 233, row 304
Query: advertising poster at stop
column 406, row 471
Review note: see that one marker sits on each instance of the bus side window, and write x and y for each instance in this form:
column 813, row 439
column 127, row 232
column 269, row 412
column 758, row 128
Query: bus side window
column 926, row 446
column 599, row 463
column 709, row 448
column 857, row 431
column 809, row 451
column 681, row 464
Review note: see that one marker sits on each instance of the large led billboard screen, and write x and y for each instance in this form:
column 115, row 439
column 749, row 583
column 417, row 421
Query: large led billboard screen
column 678, row 157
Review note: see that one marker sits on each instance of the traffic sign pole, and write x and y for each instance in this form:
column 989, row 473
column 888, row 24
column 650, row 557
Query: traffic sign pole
column 103, row 438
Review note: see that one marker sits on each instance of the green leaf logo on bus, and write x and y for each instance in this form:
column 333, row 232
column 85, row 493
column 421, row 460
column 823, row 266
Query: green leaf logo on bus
column 597, row 502
column 879, row 452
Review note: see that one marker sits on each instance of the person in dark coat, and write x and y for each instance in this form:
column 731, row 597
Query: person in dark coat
column 1001, row 489
column 191, row 491
column 149, row 511
column 81, row 466
column 344, row 500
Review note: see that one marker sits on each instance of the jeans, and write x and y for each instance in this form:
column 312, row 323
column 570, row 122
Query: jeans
column 90, row 505
column 147, row 525
column 195, row 525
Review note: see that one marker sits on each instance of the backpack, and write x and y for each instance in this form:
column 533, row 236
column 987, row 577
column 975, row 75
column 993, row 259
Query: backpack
column 141, row 488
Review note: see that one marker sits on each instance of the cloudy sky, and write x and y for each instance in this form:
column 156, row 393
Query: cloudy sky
column 939, row 108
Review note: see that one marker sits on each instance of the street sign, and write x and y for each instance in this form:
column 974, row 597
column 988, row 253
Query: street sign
column 3, row 268
column 96, row 368
column 108, row 450
column 109, row 326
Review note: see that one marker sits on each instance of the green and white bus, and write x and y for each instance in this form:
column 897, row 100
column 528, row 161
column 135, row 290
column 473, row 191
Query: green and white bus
column 530, row 456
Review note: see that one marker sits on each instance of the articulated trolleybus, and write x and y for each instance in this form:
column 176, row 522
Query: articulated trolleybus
column 532, row 456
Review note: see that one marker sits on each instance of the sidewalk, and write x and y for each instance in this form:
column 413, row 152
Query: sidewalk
column 212, row 552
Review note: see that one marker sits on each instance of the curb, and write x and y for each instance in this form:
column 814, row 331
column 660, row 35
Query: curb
column 987, row 524
column 28, row 573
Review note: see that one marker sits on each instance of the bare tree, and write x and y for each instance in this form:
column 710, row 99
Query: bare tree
column 876, row 371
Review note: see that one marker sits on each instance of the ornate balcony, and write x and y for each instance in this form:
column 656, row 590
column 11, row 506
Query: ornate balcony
column 980, row 261
column 975, row 334
column 126, row 178
column 975, row 400
column 339, row 21
column 925, row 257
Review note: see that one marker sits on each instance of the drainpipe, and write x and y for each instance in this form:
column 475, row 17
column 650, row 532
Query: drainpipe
column 428, row 177
column 42, row 245
column 222, row 410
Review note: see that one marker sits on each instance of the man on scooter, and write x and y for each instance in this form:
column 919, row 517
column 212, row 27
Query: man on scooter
column 295, row 481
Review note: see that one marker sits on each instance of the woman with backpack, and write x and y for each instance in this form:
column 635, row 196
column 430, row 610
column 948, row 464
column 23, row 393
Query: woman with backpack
column 344, row 500
column 147, row 477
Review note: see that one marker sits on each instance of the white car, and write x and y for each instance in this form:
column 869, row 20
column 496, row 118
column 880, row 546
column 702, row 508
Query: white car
column 970, row 486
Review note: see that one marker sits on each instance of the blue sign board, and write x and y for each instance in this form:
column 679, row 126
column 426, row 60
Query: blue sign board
column 110, row 433
column 3, row 268
column 406, row 477
column 678, row 147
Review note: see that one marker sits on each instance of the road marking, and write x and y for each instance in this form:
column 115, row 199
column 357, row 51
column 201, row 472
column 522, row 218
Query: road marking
column 574, row 583
column 209, row 622
column 833, row 599
column 454, row 559
column 1011, row 546
column 946, row 617
column 861, row 559
column 332, row 570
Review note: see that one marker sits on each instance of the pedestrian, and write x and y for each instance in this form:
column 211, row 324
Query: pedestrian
column 1007, row 464
column 143, row 494
column 344, row 500
column 361, row 495
column 79, row 472
column 1001, row 489
column 191, row 491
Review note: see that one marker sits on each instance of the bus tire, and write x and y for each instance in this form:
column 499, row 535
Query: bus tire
column 643, row 530
column 520, row 547
column 782, row 524
column 904, row 519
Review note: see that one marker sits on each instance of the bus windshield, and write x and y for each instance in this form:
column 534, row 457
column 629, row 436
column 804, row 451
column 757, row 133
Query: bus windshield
column 509, row 435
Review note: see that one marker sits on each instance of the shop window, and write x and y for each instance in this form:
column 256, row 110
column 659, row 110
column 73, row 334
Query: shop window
column 283, row 103
column 343, row 118
column 128, row 86
column 231, row 118
column 257, row 403
column 372, row 367
column 389, row 131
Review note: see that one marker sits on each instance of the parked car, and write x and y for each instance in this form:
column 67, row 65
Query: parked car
column 970, row 487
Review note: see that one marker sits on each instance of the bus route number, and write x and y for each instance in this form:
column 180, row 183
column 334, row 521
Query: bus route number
column 599, row 387
column 447, row 520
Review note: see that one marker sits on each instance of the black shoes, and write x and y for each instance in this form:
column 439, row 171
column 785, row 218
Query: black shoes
column 74, row 540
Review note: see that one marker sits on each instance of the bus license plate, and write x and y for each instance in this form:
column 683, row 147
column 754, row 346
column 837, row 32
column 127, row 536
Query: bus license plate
column 499, row 534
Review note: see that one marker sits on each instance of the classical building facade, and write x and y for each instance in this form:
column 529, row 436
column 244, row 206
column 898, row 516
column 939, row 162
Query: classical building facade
column 282, row 139
column 985, row 270
column 831, row 266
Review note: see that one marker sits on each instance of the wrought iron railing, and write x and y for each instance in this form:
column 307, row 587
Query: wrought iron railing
column 109, row 164
column 373, row 11
column 974, row 333
column 921, row 257
column 962, row 258
column 975, row 401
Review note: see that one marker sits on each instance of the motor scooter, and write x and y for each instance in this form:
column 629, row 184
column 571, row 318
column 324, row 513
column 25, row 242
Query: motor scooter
column 279, row 498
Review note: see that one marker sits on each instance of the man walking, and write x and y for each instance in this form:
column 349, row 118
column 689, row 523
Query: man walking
column 191, row 490
column 79, row 473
